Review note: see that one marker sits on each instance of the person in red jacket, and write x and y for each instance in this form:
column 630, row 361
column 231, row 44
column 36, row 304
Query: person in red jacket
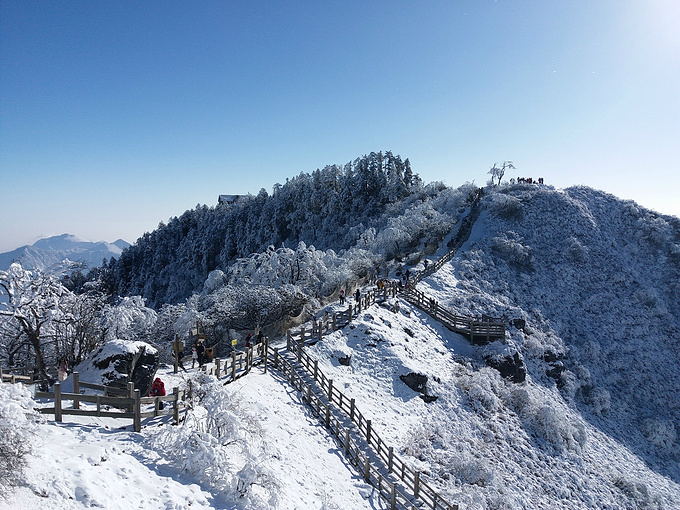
column 157, row 388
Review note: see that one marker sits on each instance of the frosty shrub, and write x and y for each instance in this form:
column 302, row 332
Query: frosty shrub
column 601, row 401
column 653, row 230
column 473, row 471
column 17, row 426
column 222, row 444
column 575, row 251
column 637, row 492
column 505, row 206
column 512, row 251
column 660, row 433
column 482, row 389
column 558, row 429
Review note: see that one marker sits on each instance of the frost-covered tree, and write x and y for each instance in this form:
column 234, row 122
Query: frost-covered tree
column 498, row 173
column 33, row 303
column 79, row 331
column 324, row 209
column 130, row 319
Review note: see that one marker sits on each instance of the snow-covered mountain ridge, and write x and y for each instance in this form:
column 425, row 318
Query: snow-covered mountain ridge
column 594, row 280
column 52, row 251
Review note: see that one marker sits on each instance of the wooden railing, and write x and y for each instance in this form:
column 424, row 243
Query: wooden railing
column 477, row 329
column 395, row 465
column 127, row 402
column 333, row 398
column 15, row 378
column 239, row 363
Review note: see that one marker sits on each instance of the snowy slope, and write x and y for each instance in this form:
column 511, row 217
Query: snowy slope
column 249, row 445
column 485, row 442
column 596, row 279
column 595, row 424
column 50, row 251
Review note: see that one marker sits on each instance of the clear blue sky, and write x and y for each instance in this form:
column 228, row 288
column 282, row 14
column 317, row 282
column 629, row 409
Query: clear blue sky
column 115, row 116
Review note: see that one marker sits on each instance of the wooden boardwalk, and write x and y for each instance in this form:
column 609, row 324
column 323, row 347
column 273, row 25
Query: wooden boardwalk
column 479, row 330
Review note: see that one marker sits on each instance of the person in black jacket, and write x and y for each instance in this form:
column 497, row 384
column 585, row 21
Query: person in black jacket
column 200, row 350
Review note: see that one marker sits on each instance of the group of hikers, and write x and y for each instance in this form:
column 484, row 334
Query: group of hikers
column 529, row 180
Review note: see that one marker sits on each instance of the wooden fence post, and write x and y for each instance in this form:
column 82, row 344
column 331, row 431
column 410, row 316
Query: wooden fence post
column 351, row 409
column 393, row 497
column 131, row 394
column 390, row 458
column 233, row 365
column 217, row 367
column 328, row 415
column 316, row 369
column 276, row 357
column 137, row 420
column 330, row 390
column 288, row 339
column 347, row 439
column 367, row 470
column 57, row 401
column 76, row 389
column 416, row 484
column 335, row 321
column 368, row 432
column 265, row 350
column 175, row 403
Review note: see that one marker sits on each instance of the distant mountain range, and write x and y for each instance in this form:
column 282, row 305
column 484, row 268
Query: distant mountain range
column 52, row 251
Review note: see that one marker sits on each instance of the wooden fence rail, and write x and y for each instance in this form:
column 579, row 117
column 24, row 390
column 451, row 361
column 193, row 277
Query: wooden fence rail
column 15, row 378
column 354, row 452
column 394, row 463
column 129, row 406
column 478, row 330
column 239, row 363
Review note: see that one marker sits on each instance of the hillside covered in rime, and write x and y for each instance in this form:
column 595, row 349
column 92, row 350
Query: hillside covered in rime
column 330, row 209
column 586, row 283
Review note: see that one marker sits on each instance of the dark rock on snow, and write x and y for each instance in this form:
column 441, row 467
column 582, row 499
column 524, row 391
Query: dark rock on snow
column 121, row 362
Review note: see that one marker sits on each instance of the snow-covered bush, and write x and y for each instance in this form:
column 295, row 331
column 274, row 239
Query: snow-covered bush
column 482, row 388
column 220, row 443
column 660, row 433
column 17, row 427
column 600, row 400
column 130, row 319
column 560, row 431
column 512, row 250
column 576, row 251
column 505, row 206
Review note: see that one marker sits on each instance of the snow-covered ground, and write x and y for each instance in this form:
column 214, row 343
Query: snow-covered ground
column 272, row 453
column 595, row 424
column 485, row 442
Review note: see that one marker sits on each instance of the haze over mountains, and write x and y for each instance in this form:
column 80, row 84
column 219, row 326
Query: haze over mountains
column 52, row 251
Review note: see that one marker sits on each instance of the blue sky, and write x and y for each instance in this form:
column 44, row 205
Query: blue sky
column 115, row 116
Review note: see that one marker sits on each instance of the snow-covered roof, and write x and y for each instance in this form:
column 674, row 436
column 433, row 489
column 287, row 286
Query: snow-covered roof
column 227, row 199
